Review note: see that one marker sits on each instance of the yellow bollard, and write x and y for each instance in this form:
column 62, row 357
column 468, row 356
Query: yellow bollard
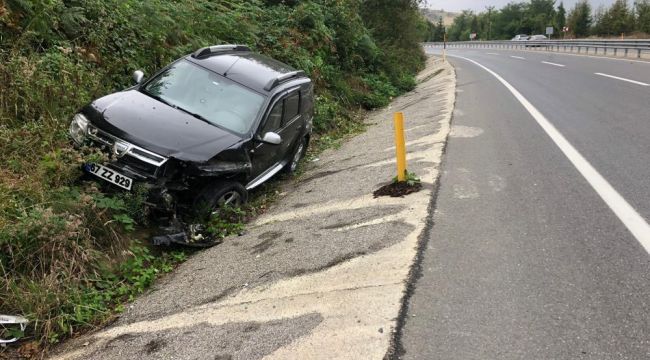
column 400, row 146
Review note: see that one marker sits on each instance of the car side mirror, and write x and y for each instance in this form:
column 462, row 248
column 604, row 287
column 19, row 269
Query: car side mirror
column 138, row 75
column 272, row 138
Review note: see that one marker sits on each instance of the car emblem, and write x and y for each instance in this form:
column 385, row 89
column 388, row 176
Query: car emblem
column 120, row 148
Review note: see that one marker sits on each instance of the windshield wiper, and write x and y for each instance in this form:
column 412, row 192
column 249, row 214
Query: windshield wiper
column 159, row 99
column 179, row 108
column 195, row 115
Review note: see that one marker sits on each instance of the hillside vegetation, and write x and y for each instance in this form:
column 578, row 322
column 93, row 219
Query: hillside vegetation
column 623, row 18
column 67, row 259
column 435, row 16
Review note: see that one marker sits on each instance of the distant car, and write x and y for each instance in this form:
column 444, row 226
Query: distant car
column 536, row 38
column 520, row 37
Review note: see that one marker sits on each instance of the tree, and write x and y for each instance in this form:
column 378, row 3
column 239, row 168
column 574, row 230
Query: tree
column 642, row 8
column 383, row 18
column 622, row 20
column 540, row 14
column 580, row 19
column 602, row 23
column 490, row 9
column 461, row 28
column 560, row 17
column 440, row 30
column 510, row 21
column 618, row 19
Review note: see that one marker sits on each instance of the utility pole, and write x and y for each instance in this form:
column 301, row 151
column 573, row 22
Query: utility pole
column 444, row 47
column 489, row 9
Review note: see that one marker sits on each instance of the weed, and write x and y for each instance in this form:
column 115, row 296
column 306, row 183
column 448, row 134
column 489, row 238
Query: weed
column 411, row 179
column 226, row 221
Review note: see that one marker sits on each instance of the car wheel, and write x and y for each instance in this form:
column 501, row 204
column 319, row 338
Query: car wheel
column 217, row 195
column 296, row 156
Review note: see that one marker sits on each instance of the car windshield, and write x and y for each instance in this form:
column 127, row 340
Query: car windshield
column 206, row 96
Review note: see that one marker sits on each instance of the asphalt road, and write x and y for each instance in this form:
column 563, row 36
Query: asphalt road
column 525, row 260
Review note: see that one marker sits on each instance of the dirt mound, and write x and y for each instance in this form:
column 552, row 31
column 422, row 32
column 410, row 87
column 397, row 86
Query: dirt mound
column 399, row 189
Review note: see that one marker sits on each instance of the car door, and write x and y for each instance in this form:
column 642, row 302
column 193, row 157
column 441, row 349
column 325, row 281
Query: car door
column 265, row 155
column 292, row 123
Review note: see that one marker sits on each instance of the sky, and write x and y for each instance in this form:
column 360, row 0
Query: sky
column 480, row 5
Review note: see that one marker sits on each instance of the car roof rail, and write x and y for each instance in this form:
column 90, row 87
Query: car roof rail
column 216, row 49
column 284, row 77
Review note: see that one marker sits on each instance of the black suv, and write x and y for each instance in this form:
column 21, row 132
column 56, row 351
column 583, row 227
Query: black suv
column 202, row 131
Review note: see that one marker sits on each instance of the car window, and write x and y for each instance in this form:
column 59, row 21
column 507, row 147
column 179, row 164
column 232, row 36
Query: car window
column 274, row 120
column 206, row 95
column 291, row 107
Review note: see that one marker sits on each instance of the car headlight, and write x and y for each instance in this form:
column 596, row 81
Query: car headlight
column 79, row 128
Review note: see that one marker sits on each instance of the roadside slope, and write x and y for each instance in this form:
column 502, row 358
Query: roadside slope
column 322, row 275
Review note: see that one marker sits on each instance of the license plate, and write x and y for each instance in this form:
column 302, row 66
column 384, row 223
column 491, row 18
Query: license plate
column 110, row 175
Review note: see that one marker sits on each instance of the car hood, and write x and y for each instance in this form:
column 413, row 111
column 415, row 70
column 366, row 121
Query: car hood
column 158, row 127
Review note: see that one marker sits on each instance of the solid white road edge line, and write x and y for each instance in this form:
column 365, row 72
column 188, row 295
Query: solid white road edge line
column 554, row 64
column 517, row 57
column 568, row 54
column 623, row 79
column 623, row 210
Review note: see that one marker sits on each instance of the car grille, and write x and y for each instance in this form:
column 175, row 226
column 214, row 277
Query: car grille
column 132, row 157
column 138, row 165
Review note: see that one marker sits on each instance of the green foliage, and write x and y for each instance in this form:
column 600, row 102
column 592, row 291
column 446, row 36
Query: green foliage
column 532, row 17
column 227, row 221
column 435, row 32
column 381, row 92
column 560, row 17
column 616, row 20
column 580, row 19
column 411, row 179
column 643, row 15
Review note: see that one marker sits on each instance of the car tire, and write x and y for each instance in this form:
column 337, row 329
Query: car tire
column 218, row 194
column 298, row 153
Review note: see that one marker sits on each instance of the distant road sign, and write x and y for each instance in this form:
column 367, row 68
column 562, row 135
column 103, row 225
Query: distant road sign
column 472, row 36
column 549, row 30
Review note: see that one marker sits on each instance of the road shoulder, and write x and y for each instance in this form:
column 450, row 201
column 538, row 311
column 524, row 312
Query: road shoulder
column 321, row 275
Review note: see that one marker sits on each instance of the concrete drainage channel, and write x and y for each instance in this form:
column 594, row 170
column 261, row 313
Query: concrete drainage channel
column 322, row 275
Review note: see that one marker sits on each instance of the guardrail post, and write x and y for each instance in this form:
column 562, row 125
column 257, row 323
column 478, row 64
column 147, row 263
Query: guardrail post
column 638, row 53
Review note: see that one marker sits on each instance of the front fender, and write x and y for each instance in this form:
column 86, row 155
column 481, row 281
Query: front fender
column 221, row 168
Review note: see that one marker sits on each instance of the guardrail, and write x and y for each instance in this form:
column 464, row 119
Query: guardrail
column 635, row 48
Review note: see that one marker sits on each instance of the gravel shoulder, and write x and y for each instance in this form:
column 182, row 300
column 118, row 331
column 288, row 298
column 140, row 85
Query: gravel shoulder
column 321, row 275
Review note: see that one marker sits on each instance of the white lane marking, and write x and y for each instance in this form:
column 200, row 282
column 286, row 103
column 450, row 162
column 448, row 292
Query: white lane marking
column 492, row 53
column 623, row 79
column 554, row 64
column 578, row 55
column 623, row 210
column 517, row 57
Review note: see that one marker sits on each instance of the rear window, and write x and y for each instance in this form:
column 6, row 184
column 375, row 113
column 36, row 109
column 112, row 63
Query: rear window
column 291, row 107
